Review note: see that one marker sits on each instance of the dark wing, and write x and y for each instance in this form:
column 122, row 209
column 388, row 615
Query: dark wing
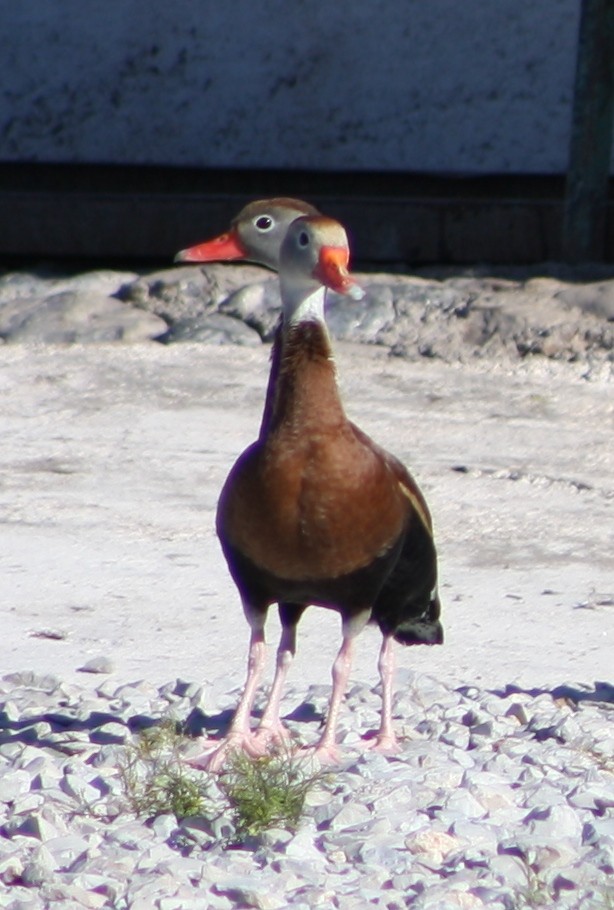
column 408, row 605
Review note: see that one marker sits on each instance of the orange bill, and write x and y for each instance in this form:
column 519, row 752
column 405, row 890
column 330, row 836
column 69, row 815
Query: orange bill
column 332, row 271
column 225, row 247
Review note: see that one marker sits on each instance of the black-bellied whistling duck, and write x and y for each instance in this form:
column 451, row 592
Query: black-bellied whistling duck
column 314, row 512
column 255, row 234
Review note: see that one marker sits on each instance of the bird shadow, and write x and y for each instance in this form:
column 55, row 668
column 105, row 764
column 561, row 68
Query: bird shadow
column 197, row 723
column 48, row 728
column 52, row 729
column 601, row 692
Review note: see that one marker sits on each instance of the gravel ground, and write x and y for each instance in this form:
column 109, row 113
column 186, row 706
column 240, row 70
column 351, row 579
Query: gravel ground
column 498, row 799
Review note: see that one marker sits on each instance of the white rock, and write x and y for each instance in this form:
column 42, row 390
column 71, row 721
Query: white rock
column 432, row 845
column 11, row 864
column 164, row 825
column 475, row 836
column 34, row 825
column 66, row 848
column 303, row 848
column 70, row 316
column 598, row 830
column 462, row 803
column 558, row 821
column 39, row 868
column 79, row 789
column 101, row 664
column 350, row 815
column 14, row 785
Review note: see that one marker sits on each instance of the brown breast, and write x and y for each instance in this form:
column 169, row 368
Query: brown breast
column 314, row 497
column 319, row 507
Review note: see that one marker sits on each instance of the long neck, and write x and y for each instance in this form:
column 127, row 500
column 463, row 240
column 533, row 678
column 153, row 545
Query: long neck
column 302, row 299
column 302, row 391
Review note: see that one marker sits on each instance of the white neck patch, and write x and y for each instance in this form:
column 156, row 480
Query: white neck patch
column 304, row 307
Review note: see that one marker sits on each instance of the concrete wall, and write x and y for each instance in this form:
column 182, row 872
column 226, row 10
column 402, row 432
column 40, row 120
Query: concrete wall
column 445, row 86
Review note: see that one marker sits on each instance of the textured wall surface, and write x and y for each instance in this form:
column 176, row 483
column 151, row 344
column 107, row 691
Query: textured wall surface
column 446, row 86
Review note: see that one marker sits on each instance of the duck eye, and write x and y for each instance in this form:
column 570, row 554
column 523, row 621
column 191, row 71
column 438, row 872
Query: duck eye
column 303, row 239
column 264, row 223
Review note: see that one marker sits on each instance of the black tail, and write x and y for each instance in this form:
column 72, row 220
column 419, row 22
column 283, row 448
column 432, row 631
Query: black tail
column 422, row 630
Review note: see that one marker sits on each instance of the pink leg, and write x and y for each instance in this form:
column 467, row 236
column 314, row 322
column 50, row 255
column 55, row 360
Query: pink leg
column 386, row 740
column 327, row 750
column 239, row 735
column 271, row 728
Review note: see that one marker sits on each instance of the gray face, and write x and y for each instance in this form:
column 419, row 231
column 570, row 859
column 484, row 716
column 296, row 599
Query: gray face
column 314, row 255
column 261, row 227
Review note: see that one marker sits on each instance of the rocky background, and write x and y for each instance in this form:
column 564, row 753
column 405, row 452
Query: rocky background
column 454, row 317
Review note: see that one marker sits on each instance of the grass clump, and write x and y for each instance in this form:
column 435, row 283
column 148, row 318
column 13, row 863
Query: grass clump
column 255, row 794
column 156, row 781
column 266, row 792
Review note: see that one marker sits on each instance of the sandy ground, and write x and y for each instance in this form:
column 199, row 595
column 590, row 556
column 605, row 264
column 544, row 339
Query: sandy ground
column 112, row 458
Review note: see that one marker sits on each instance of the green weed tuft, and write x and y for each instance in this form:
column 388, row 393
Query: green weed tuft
column 255, row 793
column 156, row 781
column 266, row 792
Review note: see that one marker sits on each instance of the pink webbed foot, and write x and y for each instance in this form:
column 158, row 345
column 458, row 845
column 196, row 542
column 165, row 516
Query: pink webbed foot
column 240, row 737
column 255, row 745
column 214, row 759
column 326, row 754
column 267, row 737
column 385, row 743
column 329, row 756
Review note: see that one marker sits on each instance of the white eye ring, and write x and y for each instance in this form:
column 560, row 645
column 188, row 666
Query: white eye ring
column 264, row 223
column 303, row 239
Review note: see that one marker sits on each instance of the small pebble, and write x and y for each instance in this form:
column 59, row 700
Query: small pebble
column 98, row 665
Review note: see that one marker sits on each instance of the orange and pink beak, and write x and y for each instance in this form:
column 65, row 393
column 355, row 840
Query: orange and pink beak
column 332, row 271
column 225, row 247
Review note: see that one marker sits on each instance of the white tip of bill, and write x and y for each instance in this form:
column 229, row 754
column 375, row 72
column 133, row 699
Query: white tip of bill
column 356, row 292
